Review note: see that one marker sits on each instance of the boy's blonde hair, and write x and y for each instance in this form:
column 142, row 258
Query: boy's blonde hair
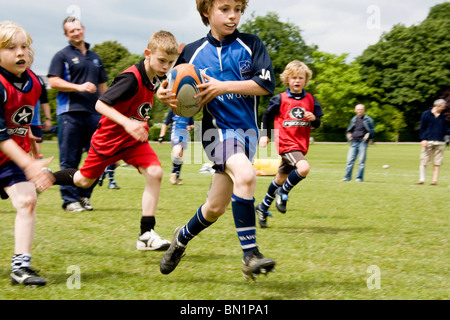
column 293, row 68
column 8, row 30
column 205, row 5
column 163, row 40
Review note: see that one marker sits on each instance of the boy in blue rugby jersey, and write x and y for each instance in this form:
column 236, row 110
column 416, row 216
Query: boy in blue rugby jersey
column 238, row 69
column 179, row 137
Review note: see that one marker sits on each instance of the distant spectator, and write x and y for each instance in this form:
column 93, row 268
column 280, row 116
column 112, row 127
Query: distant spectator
column 360, row 130
column 433, row 128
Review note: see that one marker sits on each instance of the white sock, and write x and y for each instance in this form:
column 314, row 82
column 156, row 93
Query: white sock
column 422, row 171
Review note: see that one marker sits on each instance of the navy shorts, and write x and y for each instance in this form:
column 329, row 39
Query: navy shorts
column 224, row 150
column 10, row 174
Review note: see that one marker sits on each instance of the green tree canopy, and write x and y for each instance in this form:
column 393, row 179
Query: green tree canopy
column 111, row 53
column 283, row 41
column 411, row 64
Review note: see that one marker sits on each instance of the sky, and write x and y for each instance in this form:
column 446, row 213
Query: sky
column 335, row 26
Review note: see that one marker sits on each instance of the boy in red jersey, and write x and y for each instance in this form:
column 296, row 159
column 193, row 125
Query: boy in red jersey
column 123, row 132
column 20, row 174
column 295, row 111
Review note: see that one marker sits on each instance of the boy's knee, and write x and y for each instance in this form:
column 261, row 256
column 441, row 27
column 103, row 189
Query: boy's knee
column 246, row 178
column 215, row 211
column 155, row 172
column 303, row 168
column 26, row 201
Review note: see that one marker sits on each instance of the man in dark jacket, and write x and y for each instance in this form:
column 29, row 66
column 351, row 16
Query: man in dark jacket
column 360, row 130
column 433, row 128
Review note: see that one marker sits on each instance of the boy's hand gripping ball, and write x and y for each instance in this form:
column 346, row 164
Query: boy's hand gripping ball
column 183, row 80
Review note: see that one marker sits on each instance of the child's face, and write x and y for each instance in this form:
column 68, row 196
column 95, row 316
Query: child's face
column 224, row 17
column 160, row 62
column 15, row 58
column 297, row 82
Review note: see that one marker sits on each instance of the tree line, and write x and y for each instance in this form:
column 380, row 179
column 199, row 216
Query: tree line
column 397, row 78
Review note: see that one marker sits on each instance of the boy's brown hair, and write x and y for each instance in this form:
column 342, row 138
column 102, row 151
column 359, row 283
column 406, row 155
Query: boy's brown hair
column 163, row 40
column 206, row 5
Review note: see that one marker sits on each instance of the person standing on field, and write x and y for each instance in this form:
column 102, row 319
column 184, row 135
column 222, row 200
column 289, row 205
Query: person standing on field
column 360, row 130
column 433, row 128
column 78, row 74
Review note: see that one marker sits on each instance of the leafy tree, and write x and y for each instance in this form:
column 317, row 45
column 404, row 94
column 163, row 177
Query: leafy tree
column 284, row 43
column 283, row 40
column 111, row 53
column 411, row 64
column 338, row 87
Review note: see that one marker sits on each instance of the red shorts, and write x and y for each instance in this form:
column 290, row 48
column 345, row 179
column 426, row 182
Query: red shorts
column 139, row 155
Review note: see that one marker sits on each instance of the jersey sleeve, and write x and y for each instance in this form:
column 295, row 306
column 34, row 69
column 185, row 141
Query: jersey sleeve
column 123, row 88
column 44, row 97
column 272, row 109
column 57, row 68
column 102, row 76
column 262, row 65
column 3, row 129
column 169, row 117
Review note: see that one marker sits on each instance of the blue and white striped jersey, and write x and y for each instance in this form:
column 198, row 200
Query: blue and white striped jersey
column 238, row 57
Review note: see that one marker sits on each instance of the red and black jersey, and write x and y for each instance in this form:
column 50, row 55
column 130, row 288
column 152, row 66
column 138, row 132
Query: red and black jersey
column 111, row 137
column 18, row 109
column 292, row 129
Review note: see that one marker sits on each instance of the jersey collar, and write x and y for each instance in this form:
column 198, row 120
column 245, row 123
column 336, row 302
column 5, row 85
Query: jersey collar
column 296, row 96
column 226, row 41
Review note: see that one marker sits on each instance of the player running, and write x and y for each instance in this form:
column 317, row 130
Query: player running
column 123, row 132
column 179, row 138
column 20, row 174
column 237, row 68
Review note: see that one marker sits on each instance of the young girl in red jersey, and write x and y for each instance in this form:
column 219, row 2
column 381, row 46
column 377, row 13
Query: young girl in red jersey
column 123, row 132
column 20, row 174
column 295, row 111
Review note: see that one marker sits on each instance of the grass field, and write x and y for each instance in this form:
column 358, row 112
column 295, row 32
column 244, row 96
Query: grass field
column 327, row 246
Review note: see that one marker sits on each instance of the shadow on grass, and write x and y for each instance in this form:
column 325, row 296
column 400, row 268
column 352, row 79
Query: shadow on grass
column 264, row 288
column 325, row 230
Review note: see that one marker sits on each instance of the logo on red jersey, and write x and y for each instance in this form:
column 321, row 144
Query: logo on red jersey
column 23, row 116
column 297, row 113
column 144, row 109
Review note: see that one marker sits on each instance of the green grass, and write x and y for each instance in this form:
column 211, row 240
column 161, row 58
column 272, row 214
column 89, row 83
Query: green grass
column 323, row 246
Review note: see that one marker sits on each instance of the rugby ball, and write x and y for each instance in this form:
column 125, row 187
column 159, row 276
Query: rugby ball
column 183, row 80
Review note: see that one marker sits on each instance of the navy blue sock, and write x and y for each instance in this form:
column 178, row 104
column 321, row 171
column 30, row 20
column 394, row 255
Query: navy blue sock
column 176, row 168
column 197, row 224
column 110, row 172
column 270, row 195
column 292, row 180
column 245, row 222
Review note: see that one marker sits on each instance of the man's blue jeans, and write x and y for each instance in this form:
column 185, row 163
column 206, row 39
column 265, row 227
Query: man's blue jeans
column 356, row 148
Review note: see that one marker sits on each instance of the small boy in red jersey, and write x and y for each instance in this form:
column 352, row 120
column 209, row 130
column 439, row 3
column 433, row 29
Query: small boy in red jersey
column 20, row 174
column 295, row 111
column 123, row 132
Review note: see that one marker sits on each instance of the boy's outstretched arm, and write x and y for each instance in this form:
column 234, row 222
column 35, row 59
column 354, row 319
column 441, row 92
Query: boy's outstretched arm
column 137, row 129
